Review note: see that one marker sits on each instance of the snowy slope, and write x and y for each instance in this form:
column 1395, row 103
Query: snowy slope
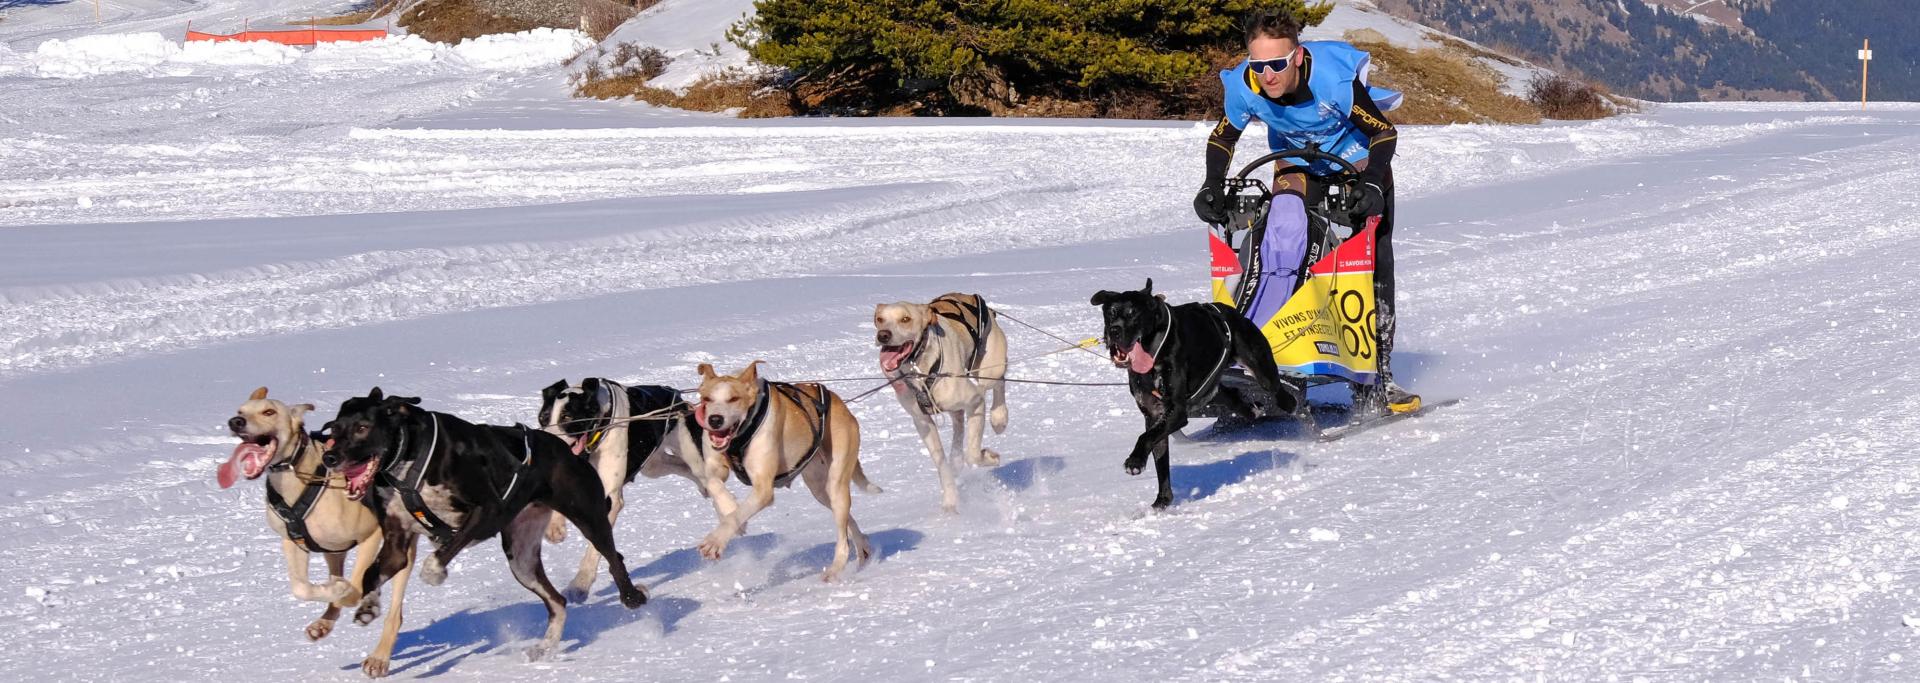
column 693, row 33
column 1677, row 457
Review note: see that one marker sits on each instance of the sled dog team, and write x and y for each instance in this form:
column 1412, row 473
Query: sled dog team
column 386, row 471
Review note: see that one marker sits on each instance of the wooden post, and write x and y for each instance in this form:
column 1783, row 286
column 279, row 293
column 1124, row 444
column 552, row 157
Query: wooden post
column 1866, row 55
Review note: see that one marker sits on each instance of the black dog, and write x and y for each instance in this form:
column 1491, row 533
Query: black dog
column 460, row 483
column 1174, row 356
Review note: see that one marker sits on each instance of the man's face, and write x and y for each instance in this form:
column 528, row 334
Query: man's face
column 1283, row 81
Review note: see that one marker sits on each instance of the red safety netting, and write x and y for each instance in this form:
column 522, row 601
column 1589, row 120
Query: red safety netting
column 297, row 36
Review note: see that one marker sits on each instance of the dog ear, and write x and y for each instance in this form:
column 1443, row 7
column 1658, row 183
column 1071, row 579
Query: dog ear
column 877, row 308
column 1101, row 297
column 552, row 390
column 1149, row 289
column 298, row 412
column 257, row 394
column 376, row 394
column 751, row 375
column 706, row 371
column 1161, row 297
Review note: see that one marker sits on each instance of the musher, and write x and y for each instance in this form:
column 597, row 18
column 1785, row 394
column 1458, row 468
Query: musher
column 1314, row 92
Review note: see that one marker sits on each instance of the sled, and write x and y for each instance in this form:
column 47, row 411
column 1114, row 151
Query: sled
column 1326, row 331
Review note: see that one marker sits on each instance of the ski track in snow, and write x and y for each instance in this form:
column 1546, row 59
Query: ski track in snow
column 1679, row 335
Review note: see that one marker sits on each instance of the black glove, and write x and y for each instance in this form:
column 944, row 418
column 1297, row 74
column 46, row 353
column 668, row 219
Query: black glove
column 1368, row 199
column 1211, row 203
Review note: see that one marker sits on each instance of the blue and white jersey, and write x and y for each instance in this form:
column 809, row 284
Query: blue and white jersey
column 1324, row 118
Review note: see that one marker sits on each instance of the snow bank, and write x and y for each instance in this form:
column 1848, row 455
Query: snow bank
column 153, row 54
column 102, row 54
column 234, row 53
column 533, row 49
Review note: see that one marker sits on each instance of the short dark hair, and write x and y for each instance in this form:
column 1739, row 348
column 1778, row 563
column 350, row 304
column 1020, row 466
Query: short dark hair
column 1271, row 23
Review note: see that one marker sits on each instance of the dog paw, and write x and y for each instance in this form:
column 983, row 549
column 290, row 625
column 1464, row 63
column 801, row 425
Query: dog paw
column 633, row 599
column 951, row 507
column 713, row 547
column 432, row 572
column 1136, row 464
column 319, row 629
column 576, row 594
column 374, row 667
column 557, row 529
column 369, row 612
column 538, row 652
column 988, row 457
column 1162, row 502
column 830, row 576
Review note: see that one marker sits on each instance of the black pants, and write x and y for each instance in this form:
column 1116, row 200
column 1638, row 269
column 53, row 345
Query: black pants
column 1383, row 282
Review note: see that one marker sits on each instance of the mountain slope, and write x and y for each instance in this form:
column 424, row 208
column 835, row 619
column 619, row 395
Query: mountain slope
column 1720, row 49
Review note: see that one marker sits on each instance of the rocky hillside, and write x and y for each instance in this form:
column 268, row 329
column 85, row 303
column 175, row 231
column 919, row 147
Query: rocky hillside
column 1693, row 50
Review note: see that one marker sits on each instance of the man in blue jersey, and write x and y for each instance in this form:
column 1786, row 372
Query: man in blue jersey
column 1314, row 92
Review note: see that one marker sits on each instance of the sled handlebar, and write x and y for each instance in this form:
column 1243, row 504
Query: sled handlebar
column 1309, row 153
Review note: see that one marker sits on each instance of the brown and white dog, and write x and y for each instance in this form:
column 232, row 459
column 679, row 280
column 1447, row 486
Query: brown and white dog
column 946, row 356
column 768, row 433
column 310, row 511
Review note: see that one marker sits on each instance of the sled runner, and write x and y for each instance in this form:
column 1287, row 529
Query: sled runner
column 1326, row 332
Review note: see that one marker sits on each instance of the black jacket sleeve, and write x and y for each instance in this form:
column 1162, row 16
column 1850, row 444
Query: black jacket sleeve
column 1381, row 135
column 1220, row 150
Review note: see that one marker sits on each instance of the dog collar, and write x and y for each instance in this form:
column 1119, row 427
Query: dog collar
column 1164, row 334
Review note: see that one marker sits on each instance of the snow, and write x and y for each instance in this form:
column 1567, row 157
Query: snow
column 1680, row 336
column 154, row 54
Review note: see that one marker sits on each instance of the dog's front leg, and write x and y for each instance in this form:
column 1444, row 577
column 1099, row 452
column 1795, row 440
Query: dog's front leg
column 297, row 566
column 613, row 473
column 365, row 555
column 976, row 426
column 731, row 525
column 395, row 559
column 930, row 435
column 1174, row 420
column 1155, row 411
column 366, row 559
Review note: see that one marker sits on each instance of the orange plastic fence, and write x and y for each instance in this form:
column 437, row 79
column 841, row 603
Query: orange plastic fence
column 298, row 36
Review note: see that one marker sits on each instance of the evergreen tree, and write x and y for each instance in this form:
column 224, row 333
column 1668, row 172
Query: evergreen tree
column 989, row 53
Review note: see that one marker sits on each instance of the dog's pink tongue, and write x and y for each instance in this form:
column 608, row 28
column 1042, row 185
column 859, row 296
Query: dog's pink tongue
column 579, row 444
column 890, row 359
column 231, row 470
column 1139, row 360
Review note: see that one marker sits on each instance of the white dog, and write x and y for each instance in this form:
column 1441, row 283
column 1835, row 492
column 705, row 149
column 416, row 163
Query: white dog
column 946, row 357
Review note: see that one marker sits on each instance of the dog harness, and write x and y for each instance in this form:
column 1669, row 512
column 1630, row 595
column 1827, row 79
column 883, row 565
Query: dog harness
column 294, row 517
column 408, row 484
column 737, row 451
column 971, row 312
column 1208, row 386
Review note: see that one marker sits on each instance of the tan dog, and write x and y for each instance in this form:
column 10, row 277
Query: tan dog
column 274, row 441
column 958, row 339
column 767, row 433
